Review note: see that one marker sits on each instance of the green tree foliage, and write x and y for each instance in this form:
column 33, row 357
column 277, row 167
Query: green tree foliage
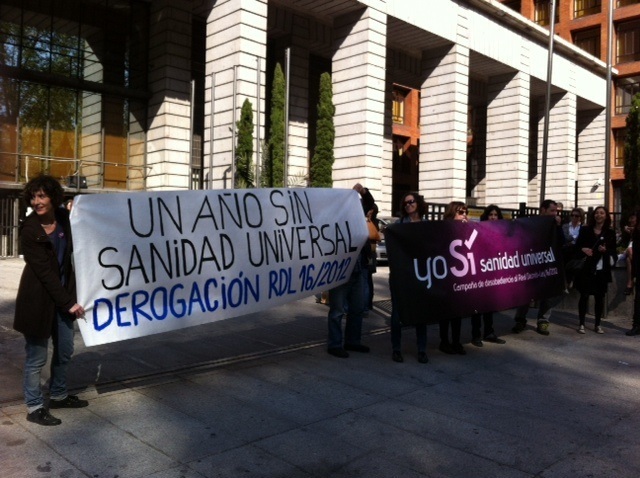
column 322, row 160
column 244, row 147
column 273, row 170
column 630, row 189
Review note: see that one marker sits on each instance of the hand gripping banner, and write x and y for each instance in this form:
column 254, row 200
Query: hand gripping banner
column 152, row 262
column 447, row 269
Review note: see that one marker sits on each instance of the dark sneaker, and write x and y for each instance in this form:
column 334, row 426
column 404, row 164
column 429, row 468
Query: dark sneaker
column 72, row 401
column 458, row 349
column 338, row 352
column 446, row 348
column 494, row 339
column 41, row 416
column 397, row 356
column 477, row 342
column 422, row 357
column 357, row 348
column 634, row 331
column 519, row 327
column 543, row 328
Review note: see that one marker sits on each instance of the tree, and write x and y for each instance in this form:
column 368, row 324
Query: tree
column 273, row 171
column 244, row 147
column 322, row 161
column 630, row 189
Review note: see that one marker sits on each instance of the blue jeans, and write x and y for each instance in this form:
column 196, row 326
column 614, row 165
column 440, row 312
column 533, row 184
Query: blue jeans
column 36, row 358
column 349, row 299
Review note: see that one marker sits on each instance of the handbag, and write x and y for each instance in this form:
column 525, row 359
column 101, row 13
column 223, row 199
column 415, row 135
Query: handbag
column 374, row 235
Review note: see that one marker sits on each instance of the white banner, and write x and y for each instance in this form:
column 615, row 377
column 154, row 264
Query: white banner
column 152, row 262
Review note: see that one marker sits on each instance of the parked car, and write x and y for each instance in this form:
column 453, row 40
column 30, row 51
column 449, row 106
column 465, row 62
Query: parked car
column 381, row 250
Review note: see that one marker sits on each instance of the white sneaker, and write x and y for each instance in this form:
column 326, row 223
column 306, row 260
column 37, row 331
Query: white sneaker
column 599, row 330
column 581, row 329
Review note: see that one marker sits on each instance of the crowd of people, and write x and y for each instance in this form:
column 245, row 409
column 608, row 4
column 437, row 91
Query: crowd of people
column 46, row 303
column 588, row 246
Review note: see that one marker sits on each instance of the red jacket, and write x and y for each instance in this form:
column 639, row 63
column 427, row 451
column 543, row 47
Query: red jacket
column 41, row 292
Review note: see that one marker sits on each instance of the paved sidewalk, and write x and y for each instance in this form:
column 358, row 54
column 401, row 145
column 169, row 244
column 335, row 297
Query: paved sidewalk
column 258, row 396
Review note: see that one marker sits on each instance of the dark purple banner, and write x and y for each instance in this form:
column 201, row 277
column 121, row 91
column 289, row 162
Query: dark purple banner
column 446, row 269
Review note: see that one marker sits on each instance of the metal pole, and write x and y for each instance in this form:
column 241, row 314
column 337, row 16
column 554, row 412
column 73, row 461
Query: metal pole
column 287, row 59
column 191, row 120
column 233, row 126
column 607, row 127
column 213, row 82
column 547, row 106
column 258, row 139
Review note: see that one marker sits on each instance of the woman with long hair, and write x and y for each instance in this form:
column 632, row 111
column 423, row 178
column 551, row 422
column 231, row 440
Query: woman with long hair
column 456, row 211
column 412, row 209
column 597, row 243
column 490, row 213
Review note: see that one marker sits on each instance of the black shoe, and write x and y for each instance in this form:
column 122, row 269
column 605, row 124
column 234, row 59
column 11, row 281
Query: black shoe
column 494, row 339
column 422, row 357
column 634, row 331
column 72, row 401
column 397, row 357
column 477, row 342
column 338, row 352
column 459, row 349
column 41, row 416
column 543, row 328
column 628, row 291
column 357, row 348
column 446, row 348
column 519, row 327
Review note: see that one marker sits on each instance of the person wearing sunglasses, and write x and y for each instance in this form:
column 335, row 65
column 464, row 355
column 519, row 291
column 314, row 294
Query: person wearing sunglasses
column 456, row 211
column 412, row 209
column 570, row 230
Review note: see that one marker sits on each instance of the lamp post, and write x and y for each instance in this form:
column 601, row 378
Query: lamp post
column 547, row 105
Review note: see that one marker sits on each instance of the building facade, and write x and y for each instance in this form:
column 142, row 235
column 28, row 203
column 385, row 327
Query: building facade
column 114, row 95
column 585, row 23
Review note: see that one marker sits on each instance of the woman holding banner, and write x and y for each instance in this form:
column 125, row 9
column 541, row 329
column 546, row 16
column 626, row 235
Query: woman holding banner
column 412, row 209
column 456, row 211
column 490, row 213
column 597, row 243
column 46, row 303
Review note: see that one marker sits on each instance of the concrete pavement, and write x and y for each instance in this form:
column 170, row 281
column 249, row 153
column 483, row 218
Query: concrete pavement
column 258, row 396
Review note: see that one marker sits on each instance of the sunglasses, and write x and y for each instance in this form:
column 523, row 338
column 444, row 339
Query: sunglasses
column 409, row 202
column 462, row 212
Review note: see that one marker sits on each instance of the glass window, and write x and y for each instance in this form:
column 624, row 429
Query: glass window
column 583, row 8
column 51, row 125
column 397, row 109
column 626, row 89
column 589, row 41
column 542, row 12
column 628, row 44
column 620, row 135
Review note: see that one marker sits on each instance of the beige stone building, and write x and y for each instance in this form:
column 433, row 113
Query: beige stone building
column 130, row 94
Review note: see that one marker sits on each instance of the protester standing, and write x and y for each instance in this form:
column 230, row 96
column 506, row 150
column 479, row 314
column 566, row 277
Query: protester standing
column 490, row 213
column 456, row 211
column 596, row 243
column 548, row 207
column 570, row 231
column 412, row 209
column 46, row 304
column 349, row 299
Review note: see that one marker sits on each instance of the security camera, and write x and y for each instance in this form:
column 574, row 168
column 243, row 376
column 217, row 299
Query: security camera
column 599, row 182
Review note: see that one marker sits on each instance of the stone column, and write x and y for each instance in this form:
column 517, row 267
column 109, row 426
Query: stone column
column 168, row 155
column 591, row 151
column 359, row 97
column 443, row 116
column 236, row 46
column 561, row 149
column 508, row 112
